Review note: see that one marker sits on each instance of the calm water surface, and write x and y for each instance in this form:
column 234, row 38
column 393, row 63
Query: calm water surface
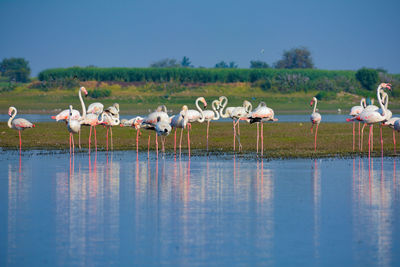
column 115, row 209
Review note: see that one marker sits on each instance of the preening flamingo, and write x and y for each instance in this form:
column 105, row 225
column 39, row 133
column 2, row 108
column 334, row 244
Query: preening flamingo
column 354, row 112
column 73, row 126
column 391, row 123
column 261, row 114
column 95, row 108
column 375, row 116
column 134, row 122
column 179, row 120
column 315, row 120
column 211, row 115
column 195, row 116
column 19, row 124
column 109, row 120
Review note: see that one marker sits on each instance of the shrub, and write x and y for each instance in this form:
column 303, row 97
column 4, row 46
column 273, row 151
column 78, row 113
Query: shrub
column 99, row 93
column 368, row 78
column 324, row 95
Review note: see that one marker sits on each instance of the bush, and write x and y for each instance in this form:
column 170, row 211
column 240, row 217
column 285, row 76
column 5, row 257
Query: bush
column 324, row 95
column 99, row 93
column 368, row 78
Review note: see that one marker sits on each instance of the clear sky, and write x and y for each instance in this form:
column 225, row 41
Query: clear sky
column 341, row 34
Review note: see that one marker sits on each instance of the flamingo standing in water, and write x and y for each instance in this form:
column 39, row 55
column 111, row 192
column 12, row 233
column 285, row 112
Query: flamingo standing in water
column 375, row 116
column 19, row 124
column 109, row 120
column 315, row 120
column 134, row 122
column 391, row 123
column 238, row 114
column 195, row 116
column 354, row 112
column 261, row 114
column 211, row 115
column 160, row 117
column 228, row 114
column 179, row 120
column 73, row 126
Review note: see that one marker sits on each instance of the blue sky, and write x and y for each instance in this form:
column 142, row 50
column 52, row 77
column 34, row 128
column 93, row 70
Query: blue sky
column 341, row 34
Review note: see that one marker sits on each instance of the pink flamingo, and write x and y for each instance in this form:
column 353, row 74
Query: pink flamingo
column 195, row 116
column 109, row 120
column 73, row 126
column 211, row 115
column 354, row 112
column 134, row 122
column 179, row 120
column 18, row 124
column 391, row 123
column 149, row 123
column 315, row 120
column 261, row 114
column 375, row 116
column 238, row 114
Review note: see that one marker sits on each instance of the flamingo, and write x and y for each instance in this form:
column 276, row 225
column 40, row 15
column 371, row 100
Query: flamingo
column 195, row 116
column 73, row 126
column 19, row 124
column 315, row 120
column 375, row 116
column 109, row 120
column 179, row 120
column 238, row 114
column 261, row 114
column 228, row 114
column 354, row 112
column 95, row 108
column 134, row 122
column 211, row 115
column 391, row 123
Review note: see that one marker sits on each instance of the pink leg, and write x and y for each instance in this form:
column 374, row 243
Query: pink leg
column 162, row 143
column 258, row 135
column 20, row 142
column 137, row 141
column 362, row 136
column 354, row 135
column 394, row 141
column 372, row 138
column 312, row 126
column 180, row 142
column 175, row 141
column 208, row 125
column 112, row 147
column 73, row 144
column 79, row 139
column 262, row 139
column 157, row 145
column 188, row 130
column 315, row 139
column 148, row 147
column 69, row 143
column 234, row 135
column 95, row 138
column 107, row 139
column 90, row 136
column 380, row 129
column 369, row 141
column 359, row 142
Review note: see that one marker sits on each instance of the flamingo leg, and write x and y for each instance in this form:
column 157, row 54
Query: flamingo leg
column 312, row 126
column 90, row 136
column 394, row 141
column 95, row 138
column 354, row 136
column 380, row 130
column 362, row 136
column 137, row 141
column 175, row 141
column 258, row 135
column 148, row 147
column 262, row 139
column 163, row 143
column 157, row 144
column 79, row 139
column 70, row 144
column 112, row 147
column 315, row 139
column 20, row 142
column 180, row 142
column 369, row 142
column 73, row 144
column 234, row 135
column 359, row 142
column 188, row 130
column 208, row 125
column 107, row 139
column 372, row 138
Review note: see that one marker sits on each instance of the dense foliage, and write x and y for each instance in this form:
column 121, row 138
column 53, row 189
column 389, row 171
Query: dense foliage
column 296, row 58
column 368, row 78
column 99, row 93
column 15, row 69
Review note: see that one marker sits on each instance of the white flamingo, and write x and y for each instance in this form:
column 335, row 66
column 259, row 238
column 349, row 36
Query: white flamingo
column 315, row 120
column 73, row 126
column 262, row 113
column 179, row 120
column 391, row 123
column 354, row 112
column 19, row 124
column 211, row 115
column 109, row 120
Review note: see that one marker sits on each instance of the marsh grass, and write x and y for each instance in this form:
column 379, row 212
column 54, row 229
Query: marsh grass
column 281, row 140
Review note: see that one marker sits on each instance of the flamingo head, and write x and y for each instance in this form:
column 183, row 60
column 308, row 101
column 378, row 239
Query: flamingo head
column 10, row 111
column 202, row 99
column 83, row 89
column 386, row 85
column 313, row 100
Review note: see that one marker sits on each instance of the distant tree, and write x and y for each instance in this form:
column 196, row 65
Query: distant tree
column 223, row 65
column 165, row 63
column 16, row 69
column 185, row 63
column 296, row 58
column 258, row 64
column 368, row 78
column 381, row 70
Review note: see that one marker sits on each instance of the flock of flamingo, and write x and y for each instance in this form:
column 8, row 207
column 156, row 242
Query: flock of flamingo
column 160, row 122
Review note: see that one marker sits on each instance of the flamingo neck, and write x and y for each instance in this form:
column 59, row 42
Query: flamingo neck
column 249, row 107
column 378, row 95
column 12, row 117
column 213, row 105
column 363, row 103
column 315, row 105
column 223, row 105
column 82, row 104
column 200, row 110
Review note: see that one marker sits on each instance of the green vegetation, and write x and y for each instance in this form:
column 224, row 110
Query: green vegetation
column 15, row 69
column 282, row 140
column 368, row 78
column 99, row 93
column 296, row 58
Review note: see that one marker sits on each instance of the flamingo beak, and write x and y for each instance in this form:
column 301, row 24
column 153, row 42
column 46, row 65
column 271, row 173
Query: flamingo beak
column 311, row 103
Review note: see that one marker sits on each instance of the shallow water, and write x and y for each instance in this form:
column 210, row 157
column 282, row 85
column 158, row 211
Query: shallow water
column 281, row 118
column 116, row 209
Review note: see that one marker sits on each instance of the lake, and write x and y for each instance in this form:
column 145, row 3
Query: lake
column 125, row 209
